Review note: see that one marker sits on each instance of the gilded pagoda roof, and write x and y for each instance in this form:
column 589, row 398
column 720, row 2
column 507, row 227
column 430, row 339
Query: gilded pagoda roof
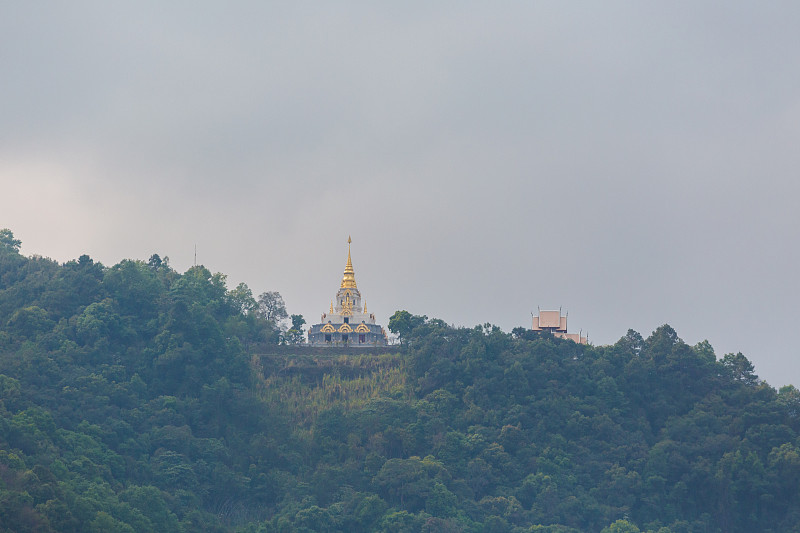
column 349, row 278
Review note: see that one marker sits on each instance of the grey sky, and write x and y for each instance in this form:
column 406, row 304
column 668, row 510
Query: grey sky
column 634, row 162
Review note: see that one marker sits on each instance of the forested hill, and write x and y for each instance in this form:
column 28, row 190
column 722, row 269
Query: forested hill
column 135, row 398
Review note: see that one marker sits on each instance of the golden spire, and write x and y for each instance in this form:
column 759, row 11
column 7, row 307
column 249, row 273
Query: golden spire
column 365, row 306
column 331, row 306
column 349, row 278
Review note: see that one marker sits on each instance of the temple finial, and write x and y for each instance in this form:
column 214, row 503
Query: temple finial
column 331, row 306
column 349, row 278
column 365, row 306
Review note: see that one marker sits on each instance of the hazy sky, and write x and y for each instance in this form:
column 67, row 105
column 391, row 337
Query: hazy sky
column 637, row 163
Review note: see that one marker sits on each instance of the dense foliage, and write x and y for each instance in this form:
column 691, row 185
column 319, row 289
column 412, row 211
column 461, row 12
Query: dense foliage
column 135, row 398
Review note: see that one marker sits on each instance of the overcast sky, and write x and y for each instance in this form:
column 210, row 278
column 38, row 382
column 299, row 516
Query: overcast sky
column 635, row 163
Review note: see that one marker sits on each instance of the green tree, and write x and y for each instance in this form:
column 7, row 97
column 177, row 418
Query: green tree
column 104, row 523
column 241, row 298
column 369, row 509
column 29, row 321
column 404, row 482
column 789, row 397
column 151, row 503
column 441, row 502
column 8, row 242
column 271, row 307
column 400, row 522
column 402, row 323
column 98, row 320
column 705, row 350
column 135, row 287
column 295, row 335
column 155, row 262
column 740, row 369
column 621, row 526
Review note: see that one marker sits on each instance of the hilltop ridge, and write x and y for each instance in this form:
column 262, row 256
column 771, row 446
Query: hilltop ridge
column 136, row 398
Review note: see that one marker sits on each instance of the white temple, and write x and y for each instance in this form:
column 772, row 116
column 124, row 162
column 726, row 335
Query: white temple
column 347, row 322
